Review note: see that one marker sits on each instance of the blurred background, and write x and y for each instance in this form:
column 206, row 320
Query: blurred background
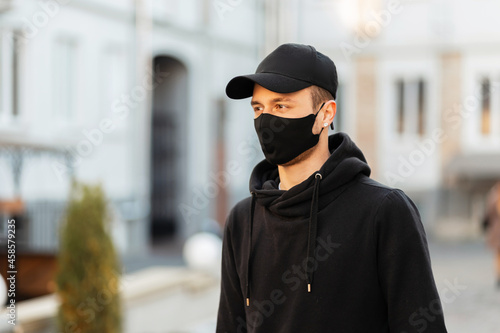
column 131, row 94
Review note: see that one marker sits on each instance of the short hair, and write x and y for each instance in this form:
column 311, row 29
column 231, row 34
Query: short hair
column 320, row 95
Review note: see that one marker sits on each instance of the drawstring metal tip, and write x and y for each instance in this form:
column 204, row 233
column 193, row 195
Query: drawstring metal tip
column 248, row 301
column 308, row 287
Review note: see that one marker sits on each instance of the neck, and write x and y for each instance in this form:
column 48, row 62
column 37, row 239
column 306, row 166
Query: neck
column 298, row 172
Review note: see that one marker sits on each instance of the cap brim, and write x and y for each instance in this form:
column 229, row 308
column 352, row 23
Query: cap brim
column 242, row 86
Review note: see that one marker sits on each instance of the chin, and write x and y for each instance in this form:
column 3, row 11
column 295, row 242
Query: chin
column 302, row 157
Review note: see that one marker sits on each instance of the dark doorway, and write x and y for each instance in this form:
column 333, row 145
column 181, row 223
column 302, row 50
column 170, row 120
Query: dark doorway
column 167, row 145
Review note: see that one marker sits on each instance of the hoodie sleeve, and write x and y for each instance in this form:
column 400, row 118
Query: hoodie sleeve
column 231, row 314
column 404, row 268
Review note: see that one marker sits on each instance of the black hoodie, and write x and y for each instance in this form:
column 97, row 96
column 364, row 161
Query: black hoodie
column 338, row 252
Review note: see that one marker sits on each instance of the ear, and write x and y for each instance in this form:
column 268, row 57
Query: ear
column 329, row 112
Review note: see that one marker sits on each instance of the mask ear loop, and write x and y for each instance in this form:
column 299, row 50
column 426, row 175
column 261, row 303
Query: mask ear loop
column 322, row 128
column 320, row 108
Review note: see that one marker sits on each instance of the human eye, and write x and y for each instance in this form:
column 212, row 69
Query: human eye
column 281, row 106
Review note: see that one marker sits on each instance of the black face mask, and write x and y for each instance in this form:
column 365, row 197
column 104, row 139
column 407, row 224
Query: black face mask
column 283, row 139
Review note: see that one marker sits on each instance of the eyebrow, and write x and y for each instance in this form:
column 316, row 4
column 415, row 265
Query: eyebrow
column 275, row 100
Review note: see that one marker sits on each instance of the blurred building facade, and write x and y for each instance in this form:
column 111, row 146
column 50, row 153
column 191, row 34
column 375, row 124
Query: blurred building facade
column 129, row 94
column 419, row 92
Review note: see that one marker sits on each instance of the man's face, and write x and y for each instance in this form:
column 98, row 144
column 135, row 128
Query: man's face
column 291, row 105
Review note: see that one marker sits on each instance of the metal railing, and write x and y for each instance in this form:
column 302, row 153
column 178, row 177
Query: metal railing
column 37, row 229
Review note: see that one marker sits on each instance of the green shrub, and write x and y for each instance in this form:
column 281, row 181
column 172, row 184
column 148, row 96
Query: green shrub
column 88, row 267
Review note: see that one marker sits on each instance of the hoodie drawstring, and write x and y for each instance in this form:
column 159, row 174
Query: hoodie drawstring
column 252, row 211
column 313, row 226
column 311, row 241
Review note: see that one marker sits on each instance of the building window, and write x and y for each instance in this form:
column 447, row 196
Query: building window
column 64, row 79
column 410, row 107
column 114, row 77
column 485, row 107
column 10, row 54
column 2, row 73
column 337, row 121
column 16, row 49
column 421, row 108
column 400, row 122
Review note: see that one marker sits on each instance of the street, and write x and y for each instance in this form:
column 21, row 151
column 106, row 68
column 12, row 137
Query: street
column 464, row 274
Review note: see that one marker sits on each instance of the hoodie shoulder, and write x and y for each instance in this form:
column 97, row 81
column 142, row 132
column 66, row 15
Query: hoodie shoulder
column 393, row 205
column 370, row 182
column 239, row 213
column 381, row 193
column 373, row 191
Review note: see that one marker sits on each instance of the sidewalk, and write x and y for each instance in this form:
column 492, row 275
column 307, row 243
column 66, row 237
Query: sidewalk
column 179, row 300
column 154, row 300
column 464, row 274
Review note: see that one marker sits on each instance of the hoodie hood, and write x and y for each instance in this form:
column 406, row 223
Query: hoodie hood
column 345, row 163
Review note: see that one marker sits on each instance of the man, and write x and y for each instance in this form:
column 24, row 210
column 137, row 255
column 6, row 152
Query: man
column 319, row 246
column 491, row 224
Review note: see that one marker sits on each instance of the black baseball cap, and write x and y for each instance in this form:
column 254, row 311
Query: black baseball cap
column 289, row 68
